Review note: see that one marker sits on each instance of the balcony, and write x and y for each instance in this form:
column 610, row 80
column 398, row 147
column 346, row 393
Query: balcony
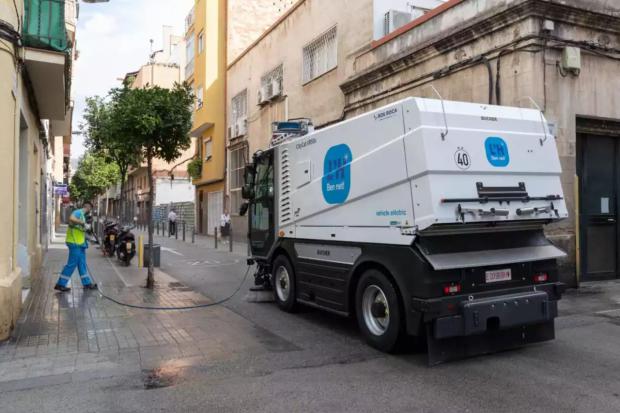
column 47, row 56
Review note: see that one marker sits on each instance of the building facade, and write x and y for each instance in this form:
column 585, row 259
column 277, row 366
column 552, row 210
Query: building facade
column 216, row 32
column 172, row 182
column 34, row 97
column 561, row 58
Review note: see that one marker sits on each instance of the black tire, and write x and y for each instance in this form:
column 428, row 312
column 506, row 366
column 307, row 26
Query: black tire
column 385, row 334
column 284, row 291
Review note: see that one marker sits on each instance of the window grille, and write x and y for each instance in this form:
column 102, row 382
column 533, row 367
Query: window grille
column 201, row 42
column 189, row 67
column 272, row 82
column 199, row 97
column 239, row 107
column 320, row 56
column 208, row 151
column 238, row 158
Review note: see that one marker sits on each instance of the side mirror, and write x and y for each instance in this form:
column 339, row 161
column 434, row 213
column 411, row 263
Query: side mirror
column 244, row 208
column 248, row 174
column 247, row 191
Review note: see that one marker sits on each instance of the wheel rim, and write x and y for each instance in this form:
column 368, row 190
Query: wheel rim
column 374, row 295
column 283, row 283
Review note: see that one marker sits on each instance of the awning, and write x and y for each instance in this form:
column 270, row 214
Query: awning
column 448, row 261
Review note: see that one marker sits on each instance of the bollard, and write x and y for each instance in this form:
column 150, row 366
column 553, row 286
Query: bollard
column 183, row 231
column 193, row 234
column 140, row 251
column 230, row 239
column 157, row 226
column 215, row 232
column 176, row 231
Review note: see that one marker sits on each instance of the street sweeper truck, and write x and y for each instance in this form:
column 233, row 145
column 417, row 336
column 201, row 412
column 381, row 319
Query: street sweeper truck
column 422, row 218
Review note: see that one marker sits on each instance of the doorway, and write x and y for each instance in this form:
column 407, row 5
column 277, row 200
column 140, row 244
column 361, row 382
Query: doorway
column 598, row 167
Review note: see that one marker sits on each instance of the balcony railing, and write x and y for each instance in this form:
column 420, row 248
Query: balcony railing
column 44, row 25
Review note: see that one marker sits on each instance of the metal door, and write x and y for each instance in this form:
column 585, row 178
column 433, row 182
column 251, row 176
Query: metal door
column 215, row 207
column 599, row 206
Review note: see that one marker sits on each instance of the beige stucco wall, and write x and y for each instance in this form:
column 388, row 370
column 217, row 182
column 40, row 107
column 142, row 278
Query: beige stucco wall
column 10, row 280
column 320, row 99
column 247, row 20
column 160, row 74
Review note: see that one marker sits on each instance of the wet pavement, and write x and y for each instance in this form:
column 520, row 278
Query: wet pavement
column 81, row 352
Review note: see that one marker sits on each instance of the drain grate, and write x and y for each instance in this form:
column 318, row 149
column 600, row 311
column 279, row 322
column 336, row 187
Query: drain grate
column 159, row 378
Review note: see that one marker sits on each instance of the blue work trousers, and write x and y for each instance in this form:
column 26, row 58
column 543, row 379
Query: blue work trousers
column 77, row 258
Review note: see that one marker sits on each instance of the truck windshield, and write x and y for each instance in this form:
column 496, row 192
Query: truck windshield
column 261, row 209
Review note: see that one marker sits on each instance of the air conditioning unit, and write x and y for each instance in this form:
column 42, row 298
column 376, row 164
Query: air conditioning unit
column 242, row 126
column 394, row 19
column 276, row 88
column 230, row 133
column 262, row 96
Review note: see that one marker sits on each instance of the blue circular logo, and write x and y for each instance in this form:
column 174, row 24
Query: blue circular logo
column 337, row 174
column 497, row 151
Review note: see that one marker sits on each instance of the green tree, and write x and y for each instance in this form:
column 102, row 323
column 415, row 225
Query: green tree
column 156, row 122
column 105, row 136
column 92, row 177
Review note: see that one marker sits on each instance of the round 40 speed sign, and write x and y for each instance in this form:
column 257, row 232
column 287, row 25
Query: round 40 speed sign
column 462, row 158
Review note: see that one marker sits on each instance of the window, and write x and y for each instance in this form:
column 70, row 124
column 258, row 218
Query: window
column 199, row 97
column 208, row 149
column 201, row 42
column 271, row 84
column 320, row 56
column 238, row 158
column 239, row 113
column 189, row 67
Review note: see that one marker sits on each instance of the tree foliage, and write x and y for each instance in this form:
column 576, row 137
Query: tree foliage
column 92, row 177
column 136, row 125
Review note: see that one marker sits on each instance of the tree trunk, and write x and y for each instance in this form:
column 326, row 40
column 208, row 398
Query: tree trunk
column 122, row 202
column 150, row 279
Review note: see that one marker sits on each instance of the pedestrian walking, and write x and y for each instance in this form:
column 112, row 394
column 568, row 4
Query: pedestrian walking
column 172, row 222
column 77, row 244
column 225, row 225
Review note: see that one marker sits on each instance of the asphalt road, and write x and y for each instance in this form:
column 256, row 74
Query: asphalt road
column 318, row 362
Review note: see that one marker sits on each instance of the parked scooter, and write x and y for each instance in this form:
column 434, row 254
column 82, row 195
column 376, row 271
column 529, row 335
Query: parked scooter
column 126, row 245
column 110, row 237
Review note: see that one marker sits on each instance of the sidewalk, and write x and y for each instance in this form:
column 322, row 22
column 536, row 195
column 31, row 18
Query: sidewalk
column 64, row 338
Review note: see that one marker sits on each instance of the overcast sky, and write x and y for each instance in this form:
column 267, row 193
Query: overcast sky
column 113, row 39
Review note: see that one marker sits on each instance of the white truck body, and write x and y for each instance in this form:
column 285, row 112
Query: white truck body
column 382, row 177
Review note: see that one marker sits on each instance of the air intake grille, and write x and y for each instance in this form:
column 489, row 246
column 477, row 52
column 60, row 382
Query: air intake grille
column 285, row 188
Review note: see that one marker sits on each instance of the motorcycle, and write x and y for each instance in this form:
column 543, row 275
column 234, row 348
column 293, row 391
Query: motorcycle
column 110, row 237
column 126, row 245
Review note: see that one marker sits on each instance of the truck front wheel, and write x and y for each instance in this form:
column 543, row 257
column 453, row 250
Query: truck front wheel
column 283, row 279
column 378, row 311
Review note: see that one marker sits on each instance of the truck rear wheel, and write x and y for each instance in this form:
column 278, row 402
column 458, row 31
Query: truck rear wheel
column 283, row 279
column 378, row 311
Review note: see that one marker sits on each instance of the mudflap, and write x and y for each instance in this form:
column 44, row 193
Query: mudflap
column 455, row 348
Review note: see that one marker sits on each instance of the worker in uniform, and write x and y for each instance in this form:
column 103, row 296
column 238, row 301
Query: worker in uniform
column 77, row 244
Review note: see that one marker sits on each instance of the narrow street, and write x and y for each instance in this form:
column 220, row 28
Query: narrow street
column 82, row 351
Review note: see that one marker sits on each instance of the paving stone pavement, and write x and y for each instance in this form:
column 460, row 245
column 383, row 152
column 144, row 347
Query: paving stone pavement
column 80, row 334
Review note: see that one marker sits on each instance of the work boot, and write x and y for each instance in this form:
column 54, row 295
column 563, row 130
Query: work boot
column 61, row 288
column 90, row 287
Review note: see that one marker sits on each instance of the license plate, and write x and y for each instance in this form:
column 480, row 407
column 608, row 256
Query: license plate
column 112, row 237
column 498, row 275
column 128, row 247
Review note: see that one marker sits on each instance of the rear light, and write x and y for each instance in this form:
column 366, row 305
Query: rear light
column 541, row 277
column 451, row 289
